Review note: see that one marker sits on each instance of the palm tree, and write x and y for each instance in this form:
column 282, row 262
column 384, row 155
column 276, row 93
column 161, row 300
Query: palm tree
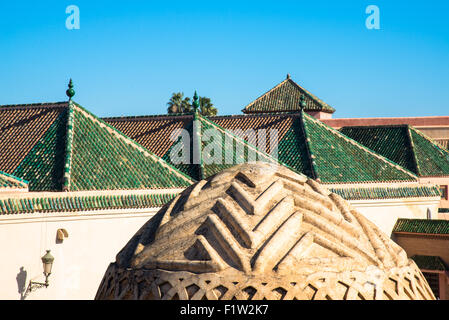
column 206, row 107
column 179, row 104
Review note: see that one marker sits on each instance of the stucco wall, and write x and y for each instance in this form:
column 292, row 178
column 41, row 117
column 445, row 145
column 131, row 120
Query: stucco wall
column 80, row 260
column 384, row 213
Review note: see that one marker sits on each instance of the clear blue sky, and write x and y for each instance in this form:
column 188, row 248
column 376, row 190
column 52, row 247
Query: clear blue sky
column 128, row 57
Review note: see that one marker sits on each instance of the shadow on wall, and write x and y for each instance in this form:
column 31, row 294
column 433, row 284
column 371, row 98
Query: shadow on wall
column 21, row 283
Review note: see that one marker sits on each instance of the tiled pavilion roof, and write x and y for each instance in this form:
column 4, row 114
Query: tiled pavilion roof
column 304, row 144
column 404, row 145
column 61, row 146
column 285, row 97
column 9, row 182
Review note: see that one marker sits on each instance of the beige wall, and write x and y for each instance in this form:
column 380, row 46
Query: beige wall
column 440, row 181
column 80, row 260
column 384, row 213
column 424, row 245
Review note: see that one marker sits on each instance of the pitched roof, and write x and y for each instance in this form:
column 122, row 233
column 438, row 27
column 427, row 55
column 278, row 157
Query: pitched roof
column 61, row 146
column 218, row 149
column 434, row 226
column 303, row 143
column 9, row 182
column 429, row 262
column 404, row 145
column 285, row 97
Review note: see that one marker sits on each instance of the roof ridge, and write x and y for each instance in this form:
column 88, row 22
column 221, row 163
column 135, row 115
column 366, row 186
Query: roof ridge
column 309, row 150
column 68, row 148
column 354, row 142
column 312, row 96
column 266, row 155
column 254, row 101
column 412, row 146
column 134, row 144
column 14, row 179
column 422, row 134
column 35, row 105
column 124, row 118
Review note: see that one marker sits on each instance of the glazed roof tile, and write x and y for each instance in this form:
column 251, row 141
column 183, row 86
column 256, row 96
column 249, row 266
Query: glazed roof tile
column 434, row 226
column 285, row 97
column 303, row 143
column 404, row 145
column 8, row 182
column 61, row 146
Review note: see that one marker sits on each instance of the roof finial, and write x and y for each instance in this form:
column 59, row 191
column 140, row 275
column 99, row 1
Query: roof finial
column 195, row 103
column 70, row 92
column 302, row 102
column 288, row 75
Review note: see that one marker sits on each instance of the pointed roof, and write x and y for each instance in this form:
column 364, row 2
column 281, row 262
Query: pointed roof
column 404, row 145
column 304, row 144
column 286, row 97
column 61, row 146
column 9, row 182
column 212, row 149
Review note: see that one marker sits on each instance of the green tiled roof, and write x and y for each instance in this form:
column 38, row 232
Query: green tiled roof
column 285, row 97
column 82, row 203
column 75, row 151
column 8, row 181
column 434, row 226
column 369, row 193
column 304, row 144
column 231, row 150
column 404, row 145
column 335, row 158
column 430, row 262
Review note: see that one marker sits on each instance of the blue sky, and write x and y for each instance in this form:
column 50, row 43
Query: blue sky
column 127, row 58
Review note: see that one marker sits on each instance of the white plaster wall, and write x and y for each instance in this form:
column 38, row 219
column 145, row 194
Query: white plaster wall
column 80, row 260
column 95, row 239
column 384, row 213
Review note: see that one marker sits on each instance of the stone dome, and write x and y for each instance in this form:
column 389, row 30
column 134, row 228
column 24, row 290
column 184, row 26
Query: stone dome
column 261, row 231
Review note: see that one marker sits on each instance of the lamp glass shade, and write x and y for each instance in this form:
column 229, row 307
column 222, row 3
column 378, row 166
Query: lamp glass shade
column 47, row 261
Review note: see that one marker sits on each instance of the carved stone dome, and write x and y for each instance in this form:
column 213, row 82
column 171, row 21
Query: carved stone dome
column 260, row 231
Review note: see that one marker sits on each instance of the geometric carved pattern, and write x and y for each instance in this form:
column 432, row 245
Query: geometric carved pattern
column 261, row 231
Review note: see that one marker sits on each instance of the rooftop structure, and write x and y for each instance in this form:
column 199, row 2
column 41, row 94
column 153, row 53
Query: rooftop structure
column 63, row 147
column 286, row 97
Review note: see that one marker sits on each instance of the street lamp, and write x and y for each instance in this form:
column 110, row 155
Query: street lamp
column 47, row 261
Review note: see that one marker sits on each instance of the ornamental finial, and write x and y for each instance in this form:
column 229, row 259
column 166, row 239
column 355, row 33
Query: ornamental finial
column 195, row 103
column 70, row 92
column 288, row 76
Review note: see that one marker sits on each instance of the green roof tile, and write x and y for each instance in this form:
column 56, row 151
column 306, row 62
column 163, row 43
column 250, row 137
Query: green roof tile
column 398, row 192
column 76, row 151
column 304, row 144
column 434, row 226
column 338, row 159
column 215, row 155
column 404, row 145
column 285, row 97
column 8, row 181
column 83, row 203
